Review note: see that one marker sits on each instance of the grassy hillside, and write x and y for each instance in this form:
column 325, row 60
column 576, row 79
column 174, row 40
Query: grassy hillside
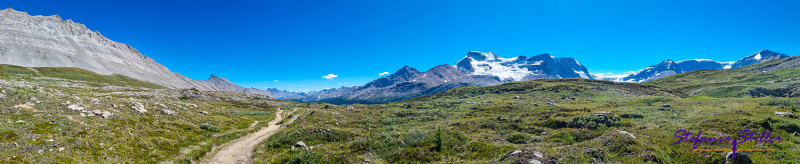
column 91, row 78
column 564, row 120
column 68, row 115
column 774, row 78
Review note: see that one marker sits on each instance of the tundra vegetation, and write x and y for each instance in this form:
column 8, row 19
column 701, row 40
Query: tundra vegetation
column 53, row 115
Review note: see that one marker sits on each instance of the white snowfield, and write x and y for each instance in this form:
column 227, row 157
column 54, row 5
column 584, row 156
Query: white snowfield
column 510, row 69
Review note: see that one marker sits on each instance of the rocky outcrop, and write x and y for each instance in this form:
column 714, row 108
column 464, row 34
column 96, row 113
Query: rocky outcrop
column 49, row 41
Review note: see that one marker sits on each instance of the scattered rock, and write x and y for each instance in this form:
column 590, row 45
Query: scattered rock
column 192, row 105
column 550, row 103
column 203, row 112
column 167, row 111
column 517, row 97
column 300, row 144
column 784, row 113
column 531, row 157
column 350, row 107
column 19, row 121
column 75, row 107
column 104, row 114
column 139, row 108
column 740, row 158
column 320, row 131
column 626, row 132
column 666, row 105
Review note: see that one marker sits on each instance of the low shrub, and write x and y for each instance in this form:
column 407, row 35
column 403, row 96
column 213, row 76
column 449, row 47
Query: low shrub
column 593, row 121
column 631, row 115
column 209, row 127
column 8, row 136
column 518, row 138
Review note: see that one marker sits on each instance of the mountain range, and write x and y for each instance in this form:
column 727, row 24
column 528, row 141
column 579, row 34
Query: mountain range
column 475, row 69
column 49, row 41
column 669, row 67
column 486, row 68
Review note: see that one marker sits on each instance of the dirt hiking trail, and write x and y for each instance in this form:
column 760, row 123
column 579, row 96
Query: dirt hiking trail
column 241, row 150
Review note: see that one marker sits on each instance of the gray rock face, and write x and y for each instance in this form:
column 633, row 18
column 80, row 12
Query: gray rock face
column 49, row 41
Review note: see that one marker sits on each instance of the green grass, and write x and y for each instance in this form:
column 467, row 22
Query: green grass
column 483, row 124
column 75, row 74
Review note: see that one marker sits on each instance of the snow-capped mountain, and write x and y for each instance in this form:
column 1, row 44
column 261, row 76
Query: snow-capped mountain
column 405, row 83
column 476, row 69
column 521, row 68
column 758, row 57
column 669, row 67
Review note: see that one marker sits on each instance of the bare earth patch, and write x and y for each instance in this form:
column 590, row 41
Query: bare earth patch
column 241, row 150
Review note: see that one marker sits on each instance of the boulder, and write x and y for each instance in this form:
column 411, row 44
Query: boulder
column 168, row 112
column 300, row 144
column 320, row 131
column 784, row 113
column 528, row 157
column 740, row 158
column 139, row 108
column 626, row 133
column 666, row 105
column 75, row 107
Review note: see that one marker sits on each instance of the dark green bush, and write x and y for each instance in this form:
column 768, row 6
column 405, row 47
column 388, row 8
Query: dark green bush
column 631, row 115
column 789, row 102
column 209, row 127
column 593, row 121
column 555, row 124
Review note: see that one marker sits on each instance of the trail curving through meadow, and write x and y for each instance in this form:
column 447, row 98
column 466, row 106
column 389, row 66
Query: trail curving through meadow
column 241, row 150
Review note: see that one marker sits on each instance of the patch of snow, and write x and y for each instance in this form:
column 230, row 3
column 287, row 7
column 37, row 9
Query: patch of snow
column 758, row 56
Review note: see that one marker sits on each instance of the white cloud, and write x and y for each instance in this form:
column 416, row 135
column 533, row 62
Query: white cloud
column 383, row 73
column 330, row 76
column 599, row 74
column 610, row 73
column 631, row 72
column 276, row 81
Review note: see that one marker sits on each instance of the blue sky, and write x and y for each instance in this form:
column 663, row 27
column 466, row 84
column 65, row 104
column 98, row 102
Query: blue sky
column 297, row 42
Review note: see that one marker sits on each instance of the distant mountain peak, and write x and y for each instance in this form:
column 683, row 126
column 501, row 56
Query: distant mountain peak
column 482, row 56
column 406, row 70
column 758, row 57
column 542, row 66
